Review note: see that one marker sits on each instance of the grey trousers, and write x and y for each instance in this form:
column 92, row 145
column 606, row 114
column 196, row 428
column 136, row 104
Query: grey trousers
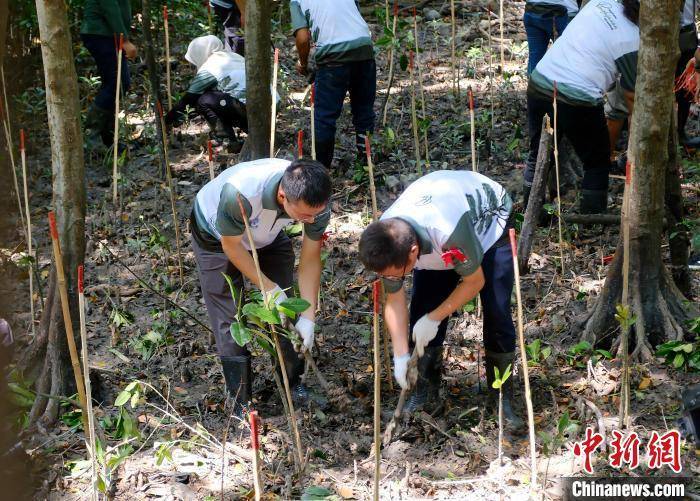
column 277, row 263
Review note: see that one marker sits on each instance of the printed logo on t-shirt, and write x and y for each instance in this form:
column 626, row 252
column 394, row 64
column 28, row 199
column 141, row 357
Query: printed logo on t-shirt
column 255, row 222
column 424, row 200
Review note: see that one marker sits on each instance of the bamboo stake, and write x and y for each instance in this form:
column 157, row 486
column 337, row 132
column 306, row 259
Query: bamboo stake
column 391, row 62
column 255, row 442
column 274, row 104
column 8, row 140
column 556, row 171
column 420, row 86
column 300, row 144
column 490, row 83
column 275, row 338
column 386, row 7
column 68, row 323
column 88, row 388
column 500, row 19
column 523, row 360
column 167, row 57
column 624, row 342
column 30, row 250
column 414, row 119
column 376, row 287
column 453, row 49
column 210, row 153
column 115, row 153
column 375, row 217
column 313, row 122
column 473, row 130
column 171, row 190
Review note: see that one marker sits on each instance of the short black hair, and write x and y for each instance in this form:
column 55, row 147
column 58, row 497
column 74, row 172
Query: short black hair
column 308, row 181
column 386, row 243
column 631, row 10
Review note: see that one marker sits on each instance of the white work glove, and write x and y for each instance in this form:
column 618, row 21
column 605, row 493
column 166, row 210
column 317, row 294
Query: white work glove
column 305, row 328
column 276, row 294
column 424, row 331
column 401, row 370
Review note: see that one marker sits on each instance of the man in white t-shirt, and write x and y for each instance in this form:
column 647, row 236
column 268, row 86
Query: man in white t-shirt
column 449, row 228
column 274, row 193
column 344, row 58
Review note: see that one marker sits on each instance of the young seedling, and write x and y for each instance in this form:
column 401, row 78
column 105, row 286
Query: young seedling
column 115, row 142
column 88, row 388
column 422, row 93
column 376, row 288
column 30, row 250
column 455, row 81
column 414, row 119
column 473, row 128
column 67, row 321
column 210, row 154
column 300, row 144
column 523, row 360
column 624, row 315
column 167, row 57
column 312, row 100
column 556, row 171
column 171, row 190
column 273, row 119
column 391, row 62
column 255, row 443
column 498, row 382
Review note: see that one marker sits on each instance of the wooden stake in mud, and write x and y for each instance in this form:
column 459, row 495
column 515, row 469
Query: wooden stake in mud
column 391, row 63
column 376, row 288
column 473, row 129
column 167, row 57
column 523, row 360
column 375, row 217
column 300, row 144
column 30, row 250
column 171, row 190
column 273, row 120
column 490, row 84
column 624, row 342
column 255, row 443
column 414, row 119
column 500, row 20
column 313, row 121
column 115, row 142
column 8, row 140
column 299, row 457
column 68, row 323
column 556, row 171
column 88, row 388
column 210, row 154
column 455, row 83
column 420, row 86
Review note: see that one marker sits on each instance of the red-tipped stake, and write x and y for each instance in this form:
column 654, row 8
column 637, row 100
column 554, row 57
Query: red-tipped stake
column 391, row 63
column 376, row 288
column 30, row 250
column 68, row 323
column 300, row 144
column 313, row 121
column 414, row 119
column 523, row 360
column 473, row 128
column 556, row 171
column 274, row 103
column 88, row 388
column 210, row 154
column 624, row 342
column 420, row 87
column 167, row 56
column 171, row 190
column 255, row 443
column 115, row 153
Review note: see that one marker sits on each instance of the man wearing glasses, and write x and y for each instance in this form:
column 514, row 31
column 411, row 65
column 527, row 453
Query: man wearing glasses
column 448, row 228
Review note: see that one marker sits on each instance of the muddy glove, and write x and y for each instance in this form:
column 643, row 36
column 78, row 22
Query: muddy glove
column 424, row 331
column 401, row 370
column 305, row 328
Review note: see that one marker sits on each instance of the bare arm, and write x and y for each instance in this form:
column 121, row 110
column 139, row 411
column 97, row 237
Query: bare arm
column 303, row 43
column 310, row 274
column 243, row 261
column 241, row 7
column 467, row 290
column 396, row 318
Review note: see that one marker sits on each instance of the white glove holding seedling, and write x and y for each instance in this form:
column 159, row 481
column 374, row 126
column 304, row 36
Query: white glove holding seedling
column 401, row 370
column 276, row 295
column 305, row 328
column 424, row 331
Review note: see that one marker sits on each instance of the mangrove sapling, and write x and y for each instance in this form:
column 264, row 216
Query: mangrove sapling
column 498, row 382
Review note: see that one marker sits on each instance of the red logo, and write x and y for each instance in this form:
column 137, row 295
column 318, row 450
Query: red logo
column 587, row 447
column 453, row 256
column 665, row 450
column 624, row 451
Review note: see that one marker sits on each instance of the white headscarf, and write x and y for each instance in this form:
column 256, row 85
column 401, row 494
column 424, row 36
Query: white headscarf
column 201, row 48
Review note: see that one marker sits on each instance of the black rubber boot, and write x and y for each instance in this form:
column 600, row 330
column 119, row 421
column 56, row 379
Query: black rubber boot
column 239, row 382
column 361, row 148
column 294, row 363
column 221, row 131
column 98, row 123
column 593, row 201
column 426, row 392
column 513, row 422
column 527, row 187
column 324, row 152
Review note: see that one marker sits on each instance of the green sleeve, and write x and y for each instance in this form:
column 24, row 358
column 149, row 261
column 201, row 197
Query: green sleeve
column 229, row 220
column 114, row 17
column 465, row 240
column 298, row 18
column 627, row 66
column 315, row 230
column 202, row 82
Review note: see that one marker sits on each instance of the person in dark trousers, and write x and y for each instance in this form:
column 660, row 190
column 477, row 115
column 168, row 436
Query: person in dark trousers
column 231, row 17
column 217, row 92
column 449, row 228
column 544, row 21
column 103, row 22
column 274, row 193
column 599, row 45
column 344, row 60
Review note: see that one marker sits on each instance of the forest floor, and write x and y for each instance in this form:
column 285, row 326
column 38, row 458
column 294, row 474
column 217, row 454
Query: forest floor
column 169, row 445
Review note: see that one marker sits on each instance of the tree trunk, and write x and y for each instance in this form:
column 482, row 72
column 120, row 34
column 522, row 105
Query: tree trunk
column 258, row 76
column 49, row 353
column 654, row 298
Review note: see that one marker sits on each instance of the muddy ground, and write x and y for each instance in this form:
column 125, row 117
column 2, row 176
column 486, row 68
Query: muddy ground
column 173, row 450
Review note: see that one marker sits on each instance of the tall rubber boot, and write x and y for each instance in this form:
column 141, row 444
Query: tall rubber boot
column 426, row 392
column 324, row 152
column 361, row 148
column 239, row 382
column 97, row 125
column 593, row 201
column 502, row 360
column 294, row 364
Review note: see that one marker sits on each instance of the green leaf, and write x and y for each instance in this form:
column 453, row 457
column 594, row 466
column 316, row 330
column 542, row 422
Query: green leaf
column 546, row 352
column 240, row 334
column 506, row 374
column 497, row 383
column 135, row 399
column 122, row 398
column 266, row 345
column 295, row 304
column 678, row 361
column 687, row 347
column 235, row 294
column 316, row 493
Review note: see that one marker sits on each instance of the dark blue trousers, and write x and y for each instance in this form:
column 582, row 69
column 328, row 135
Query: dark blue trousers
column 104, row 51
column 333, row 82
column 432, row 287
column 540, row 30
